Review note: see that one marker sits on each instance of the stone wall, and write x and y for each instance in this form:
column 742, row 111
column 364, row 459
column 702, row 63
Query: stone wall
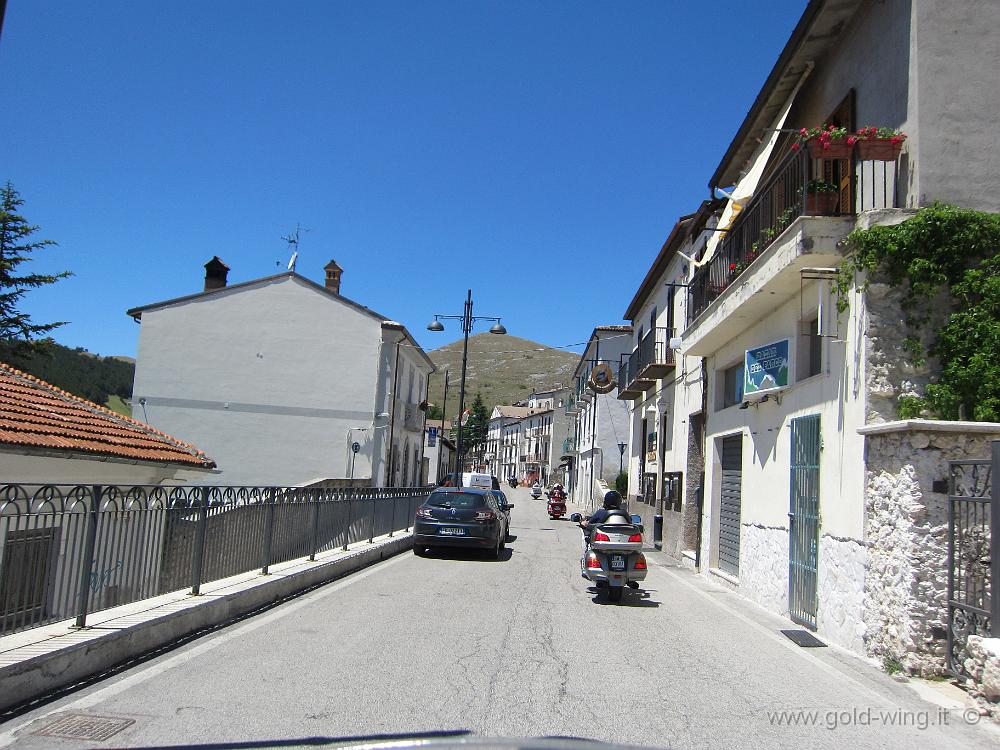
column 905, row 599
column 841, row 591
column 764, row 566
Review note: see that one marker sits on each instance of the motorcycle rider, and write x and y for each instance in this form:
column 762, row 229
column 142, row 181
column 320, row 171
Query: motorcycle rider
column 558, row 494
column 612, row 501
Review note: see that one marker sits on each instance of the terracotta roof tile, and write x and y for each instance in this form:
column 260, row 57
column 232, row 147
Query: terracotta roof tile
column 36, row 414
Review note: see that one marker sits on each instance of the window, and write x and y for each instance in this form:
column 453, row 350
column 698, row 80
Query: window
column 652, row 319
column 809, row 351
column 730, row 383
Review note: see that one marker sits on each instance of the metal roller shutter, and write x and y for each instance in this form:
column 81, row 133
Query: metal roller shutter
column 729, row 513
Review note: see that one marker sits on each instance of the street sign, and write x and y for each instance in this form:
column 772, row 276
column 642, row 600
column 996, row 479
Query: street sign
column 602, row 380
column 355, row 446
column 432, row 433
column 766, row 368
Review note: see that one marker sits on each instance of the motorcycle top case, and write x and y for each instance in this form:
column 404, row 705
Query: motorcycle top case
column 618, row 539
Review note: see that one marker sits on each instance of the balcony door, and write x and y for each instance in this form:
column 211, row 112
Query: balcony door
column 840, row 172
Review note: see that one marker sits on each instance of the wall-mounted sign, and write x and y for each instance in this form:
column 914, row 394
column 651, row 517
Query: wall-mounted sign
column 602, row 380
column 432, row 433
column 766, row 368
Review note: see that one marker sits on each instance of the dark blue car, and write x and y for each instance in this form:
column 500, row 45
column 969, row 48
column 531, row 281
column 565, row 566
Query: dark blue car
column 461, row 517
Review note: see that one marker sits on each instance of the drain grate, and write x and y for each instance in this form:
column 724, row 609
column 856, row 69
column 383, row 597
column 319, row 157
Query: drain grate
column 803, row 638
column 82, row 727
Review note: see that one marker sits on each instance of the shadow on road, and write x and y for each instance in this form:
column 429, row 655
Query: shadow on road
column 630, row 598
column 471, row 555
column 311, row 741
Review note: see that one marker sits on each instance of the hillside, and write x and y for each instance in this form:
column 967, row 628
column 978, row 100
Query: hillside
column 504, row 369
column 103, row 380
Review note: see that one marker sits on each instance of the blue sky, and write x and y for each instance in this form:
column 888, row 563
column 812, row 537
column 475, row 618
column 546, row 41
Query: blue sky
column 538, row 152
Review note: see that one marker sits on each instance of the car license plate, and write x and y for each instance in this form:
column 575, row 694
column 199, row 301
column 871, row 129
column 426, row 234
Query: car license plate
column 451, row 531
column 618, row 562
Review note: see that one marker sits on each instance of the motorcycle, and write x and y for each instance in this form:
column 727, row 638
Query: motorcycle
column 613, row 557
column 556, row 506
column 513, row 483
column 536, row 492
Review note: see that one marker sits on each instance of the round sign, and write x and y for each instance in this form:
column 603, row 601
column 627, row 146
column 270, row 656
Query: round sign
column 355, row 446
column 602, row 380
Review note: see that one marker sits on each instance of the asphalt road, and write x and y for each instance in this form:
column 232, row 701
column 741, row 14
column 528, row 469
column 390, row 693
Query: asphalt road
column 511, row 648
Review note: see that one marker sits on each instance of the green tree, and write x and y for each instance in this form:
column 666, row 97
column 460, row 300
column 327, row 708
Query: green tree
column 19, row 335
column 474, row 433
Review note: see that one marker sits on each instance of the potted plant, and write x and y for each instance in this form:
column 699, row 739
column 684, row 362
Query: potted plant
column 822, row 198
column 827, row 142
column 879, row 144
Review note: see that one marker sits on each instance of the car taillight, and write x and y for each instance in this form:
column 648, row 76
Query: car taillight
column 423, row 512
column 593, row 563
column 640, row 564
column 485, row 515
column 601, row 537
column 635, row 538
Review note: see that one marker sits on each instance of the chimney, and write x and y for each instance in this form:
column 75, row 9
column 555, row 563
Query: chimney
column 215, row 274
column 333, row 272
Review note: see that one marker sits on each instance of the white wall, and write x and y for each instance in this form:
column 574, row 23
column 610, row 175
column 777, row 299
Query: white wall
column 267, row 380
column 28, row 469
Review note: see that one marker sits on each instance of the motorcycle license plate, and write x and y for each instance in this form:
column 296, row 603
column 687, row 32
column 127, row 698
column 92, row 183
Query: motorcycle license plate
column 618, row 562
column 451, row 531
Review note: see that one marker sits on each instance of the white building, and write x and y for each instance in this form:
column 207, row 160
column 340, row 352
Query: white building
column 439, row 452
column 774, row 391
column 600, row 420
column 278, row 377
column 501, row 419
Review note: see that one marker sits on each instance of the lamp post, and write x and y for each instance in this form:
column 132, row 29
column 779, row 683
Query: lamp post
column 468, row 320
column 621, row 458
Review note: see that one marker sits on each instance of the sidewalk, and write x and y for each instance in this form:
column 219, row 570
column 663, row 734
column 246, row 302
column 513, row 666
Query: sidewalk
column 40, row 660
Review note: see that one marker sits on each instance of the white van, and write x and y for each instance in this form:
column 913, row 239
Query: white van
column 482, row 481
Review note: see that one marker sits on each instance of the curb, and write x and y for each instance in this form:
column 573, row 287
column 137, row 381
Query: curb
column 39, row 675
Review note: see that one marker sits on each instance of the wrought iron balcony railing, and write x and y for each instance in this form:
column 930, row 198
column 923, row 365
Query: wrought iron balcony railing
column 650, row 360
column 790, row 192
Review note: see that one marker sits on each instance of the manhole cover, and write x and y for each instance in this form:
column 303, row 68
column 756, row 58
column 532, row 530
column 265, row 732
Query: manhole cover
column 81, row 727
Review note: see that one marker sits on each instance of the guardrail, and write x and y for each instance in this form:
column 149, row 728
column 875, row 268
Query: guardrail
column 69, row 550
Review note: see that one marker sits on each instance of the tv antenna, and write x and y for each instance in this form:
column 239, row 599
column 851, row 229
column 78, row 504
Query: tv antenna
column 293, row 244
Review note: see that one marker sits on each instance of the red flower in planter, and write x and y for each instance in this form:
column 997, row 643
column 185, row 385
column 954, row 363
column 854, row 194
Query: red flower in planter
column 732, row 266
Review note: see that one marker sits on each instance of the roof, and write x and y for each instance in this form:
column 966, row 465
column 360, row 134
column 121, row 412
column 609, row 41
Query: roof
column 136, row 312
column 626, row 328
column 36, row 414
column 817, row 29
column 512, row 411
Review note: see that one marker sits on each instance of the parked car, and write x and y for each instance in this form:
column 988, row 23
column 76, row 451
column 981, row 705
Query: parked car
column 503, row 504
column 460, row 517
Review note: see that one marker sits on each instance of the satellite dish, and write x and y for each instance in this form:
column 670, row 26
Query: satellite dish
column 291, row 261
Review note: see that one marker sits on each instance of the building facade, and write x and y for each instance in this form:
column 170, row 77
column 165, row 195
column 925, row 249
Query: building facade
column 279, row 377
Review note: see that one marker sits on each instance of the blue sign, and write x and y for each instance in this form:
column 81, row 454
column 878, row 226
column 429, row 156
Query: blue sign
column 432, row 433
column 766, row 368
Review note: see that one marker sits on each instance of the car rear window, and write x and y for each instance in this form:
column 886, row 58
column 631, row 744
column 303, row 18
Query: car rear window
column 455, row 500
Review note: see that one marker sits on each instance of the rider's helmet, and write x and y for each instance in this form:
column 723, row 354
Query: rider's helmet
column 558, row 486
column 612, row 499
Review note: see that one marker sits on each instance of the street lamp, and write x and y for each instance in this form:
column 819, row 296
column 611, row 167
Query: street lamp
column 468, row 320
column 621, row 458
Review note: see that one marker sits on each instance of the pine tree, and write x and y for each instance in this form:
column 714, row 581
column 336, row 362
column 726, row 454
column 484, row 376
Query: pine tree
column 477, row 429
column 19, row 336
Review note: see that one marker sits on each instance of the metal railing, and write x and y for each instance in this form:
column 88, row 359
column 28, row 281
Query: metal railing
column 67, row 551
column 973, row 555
column 653, row 351
column 776, row 204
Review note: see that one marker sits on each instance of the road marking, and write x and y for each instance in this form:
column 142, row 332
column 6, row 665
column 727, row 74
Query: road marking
column 780, row 640
column 92, row 699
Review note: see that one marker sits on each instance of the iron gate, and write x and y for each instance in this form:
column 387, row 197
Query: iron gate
column 973, row 517
column 803, row 521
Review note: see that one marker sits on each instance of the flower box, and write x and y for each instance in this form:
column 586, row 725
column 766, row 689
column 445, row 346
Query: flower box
column 822, row 204
column 832, row 149
column 879, row 149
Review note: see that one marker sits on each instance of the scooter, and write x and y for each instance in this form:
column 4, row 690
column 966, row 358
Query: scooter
column 613, row 558
column 556, row 507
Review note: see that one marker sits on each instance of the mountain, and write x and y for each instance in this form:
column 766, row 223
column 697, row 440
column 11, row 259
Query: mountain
column 103, row 380
column 504, row 369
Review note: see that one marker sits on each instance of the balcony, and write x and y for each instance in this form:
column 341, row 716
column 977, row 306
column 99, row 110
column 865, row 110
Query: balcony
column 781, row 231
column 648, row 362
column 569, row 447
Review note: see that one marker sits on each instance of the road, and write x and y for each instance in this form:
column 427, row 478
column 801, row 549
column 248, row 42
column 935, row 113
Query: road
column 511, row 648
